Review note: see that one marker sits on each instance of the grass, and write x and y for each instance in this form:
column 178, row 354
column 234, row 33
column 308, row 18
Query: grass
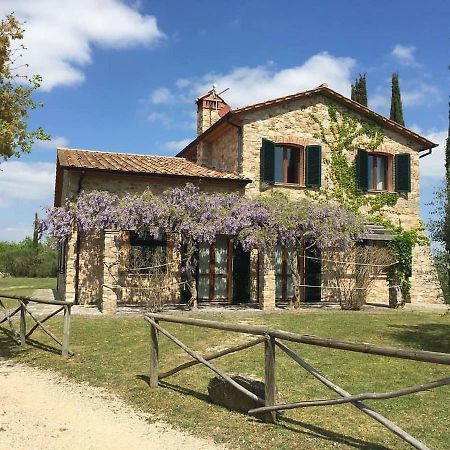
column 113, row 353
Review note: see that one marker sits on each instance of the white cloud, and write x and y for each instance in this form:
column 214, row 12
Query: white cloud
column 161, row 95
column 423, row 94
column 60, row 35
column 16, row 233
column 159, row 117
column 433, row 166
column 26, row 181
column 405, row 54
column 52, row 144
column 182, row 83
column 177, row 145
column 379, row 101
column 253, row 84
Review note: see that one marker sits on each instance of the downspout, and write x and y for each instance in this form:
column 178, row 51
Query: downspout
column 78, row 244
column 429, row 152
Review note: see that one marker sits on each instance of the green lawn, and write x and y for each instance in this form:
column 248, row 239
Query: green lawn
column 113, row 353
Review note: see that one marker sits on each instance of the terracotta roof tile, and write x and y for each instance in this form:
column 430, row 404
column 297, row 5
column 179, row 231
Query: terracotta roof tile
column 138, row 164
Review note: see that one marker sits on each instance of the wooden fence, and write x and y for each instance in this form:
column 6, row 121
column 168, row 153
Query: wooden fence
column 273, row 339
column 23, row 309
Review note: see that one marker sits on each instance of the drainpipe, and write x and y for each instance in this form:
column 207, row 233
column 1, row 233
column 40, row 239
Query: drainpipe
column 429, row 151
column 78, row 244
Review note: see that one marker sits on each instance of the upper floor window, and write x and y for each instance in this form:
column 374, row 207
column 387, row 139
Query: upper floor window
column 377, row 167
column 291, row 164
column 288, row 165
column 380, row 172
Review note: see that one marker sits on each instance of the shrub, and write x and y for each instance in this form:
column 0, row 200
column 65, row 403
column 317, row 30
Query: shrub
column 23, row 259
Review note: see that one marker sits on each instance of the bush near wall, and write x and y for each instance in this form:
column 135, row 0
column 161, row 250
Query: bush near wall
column 442, row 263
column 24, row 259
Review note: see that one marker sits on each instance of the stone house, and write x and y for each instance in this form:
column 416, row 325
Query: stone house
column 251, row 150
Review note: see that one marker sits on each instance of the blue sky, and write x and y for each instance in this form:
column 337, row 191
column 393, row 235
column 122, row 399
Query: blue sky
column 123, row 75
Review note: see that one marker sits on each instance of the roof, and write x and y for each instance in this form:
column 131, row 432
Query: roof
column 138, row 164
column 322, row 90
column 374, row 232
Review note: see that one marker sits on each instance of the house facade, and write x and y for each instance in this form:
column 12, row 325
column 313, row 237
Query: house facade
column 255, row 150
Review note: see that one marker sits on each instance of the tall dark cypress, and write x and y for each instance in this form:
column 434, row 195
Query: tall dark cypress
column 359, row 90
column 396, row 101
column 447, row 179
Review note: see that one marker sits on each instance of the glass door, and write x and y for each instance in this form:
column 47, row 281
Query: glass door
column 214, row 270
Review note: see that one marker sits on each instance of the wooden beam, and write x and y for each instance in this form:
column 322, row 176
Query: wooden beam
column 414, row 355
column 154, row 356
column 354, row 398
column 360, row 405
column 66, row 332
column 204, row 362
column 35, row 300
column 269, row 378
column 23, row 324
column 9, row 315
column 44, row 320
column 47, row 331
column 211, row 356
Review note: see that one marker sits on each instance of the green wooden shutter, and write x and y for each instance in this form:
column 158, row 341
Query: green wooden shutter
column 268, row 161
column 313, row 165
column 403, row 172
column 362, row 170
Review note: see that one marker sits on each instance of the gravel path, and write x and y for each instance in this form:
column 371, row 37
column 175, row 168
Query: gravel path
column 41, row 410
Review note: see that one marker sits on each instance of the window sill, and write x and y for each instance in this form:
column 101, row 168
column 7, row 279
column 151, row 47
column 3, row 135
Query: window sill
column 290, row 185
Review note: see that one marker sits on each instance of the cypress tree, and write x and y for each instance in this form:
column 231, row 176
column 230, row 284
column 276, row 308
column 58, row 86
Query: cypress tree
column 396, row 101
column 447, row 193
column 359, row 90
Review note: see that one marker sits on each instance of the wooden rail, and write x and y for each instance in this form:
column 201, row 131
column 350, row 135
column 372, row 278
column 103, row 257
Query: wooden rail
column 272, row 339
column 23, row 308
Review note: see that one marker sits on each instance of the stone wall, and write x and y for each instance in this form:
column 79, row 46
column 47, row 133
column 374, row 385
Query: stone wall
column 222, row 152
column 93, row 248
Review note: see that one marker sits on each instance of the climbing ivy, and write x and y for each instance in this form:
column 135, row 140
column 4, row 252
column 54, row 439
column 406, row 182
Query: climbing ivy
column 344, row 134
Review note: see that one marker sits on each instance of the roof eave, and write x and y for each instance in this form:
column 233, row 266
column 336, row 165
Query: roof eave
column 243, row 181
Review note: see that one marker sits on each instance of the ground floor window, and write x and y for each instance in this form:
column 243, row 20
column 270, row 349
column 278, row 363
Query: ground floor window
column 147, row 252
column 301, row 266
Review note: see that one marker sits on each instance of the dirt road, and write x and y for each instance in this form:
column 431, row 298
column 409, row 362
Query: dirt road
column 40, row 410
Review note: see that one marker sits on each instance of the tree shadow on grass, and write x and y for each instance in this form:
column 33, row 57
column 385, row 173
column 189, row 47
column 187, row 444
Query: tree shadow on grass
column 284, row 422
column 8, row 346
column 433, row 337
column 174, row 387
column 321, row 433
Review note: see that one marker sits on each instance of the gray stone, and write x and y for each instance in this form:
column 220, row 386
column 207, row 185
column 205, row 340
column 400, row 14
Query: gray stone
column 224, row 394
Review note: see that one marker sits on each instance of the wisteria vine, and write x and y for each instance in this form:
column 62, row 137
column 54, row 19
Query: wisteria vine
column 199, row 217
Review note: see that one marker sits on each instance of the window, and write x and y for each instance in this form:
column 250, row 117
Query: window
column 147, row 252
column 288, row 164
column 291, row 164
column 377, row 172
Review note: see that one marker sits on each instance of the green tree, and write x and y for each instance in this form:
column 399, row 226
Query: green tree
column 15, row 94
column 396, row 101
column 359, row 90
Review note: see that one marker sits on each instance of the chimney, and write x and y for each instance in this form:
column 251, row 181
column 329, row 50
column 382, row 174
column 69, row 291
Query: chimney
column 210, row 108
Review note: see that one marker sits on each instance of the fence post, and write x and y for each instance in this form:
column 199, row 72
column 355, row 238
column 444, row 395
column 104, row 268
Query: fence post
column 153, row 356
column 269, row 379
column 66, row 331
column 23, row 324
